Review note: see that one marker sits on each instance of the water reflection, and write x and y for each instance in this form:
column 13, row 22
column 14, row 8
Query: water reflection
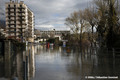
column 57, row 63
column 63, row 64
column 20, row 66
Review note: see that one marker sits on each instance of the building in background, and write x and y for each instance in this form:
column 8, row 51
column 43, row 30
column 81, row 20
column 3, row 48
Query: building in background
column 3, row 33
column 19, row 21
column 41, row 36
column 55, row 33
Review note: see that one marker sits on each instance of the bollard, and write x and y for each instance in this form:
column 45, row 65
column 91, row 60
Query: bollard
column 113, row 52
column 107, row 50
column 24, row 66
column 87, row 50
column 113, row 58
column 15, row 78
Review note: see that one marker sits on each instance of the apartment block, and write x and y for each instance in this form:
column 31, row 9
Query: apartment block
column 19, row 21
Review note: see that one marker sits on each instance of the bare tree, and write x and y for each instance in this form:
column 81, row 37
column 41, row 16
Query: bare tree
column 77, row 24
column 73, row 23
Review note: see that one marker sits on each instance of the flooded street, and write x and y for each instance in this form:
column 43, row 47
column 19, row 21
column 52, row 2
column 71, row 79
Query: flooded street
column 59, row 39
column 58, row 63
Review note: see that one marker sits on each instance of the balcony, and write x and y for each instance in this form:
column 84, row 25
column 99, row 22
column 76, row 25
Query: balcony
column 11, row 7
column 9, row 20
column 21, row 27
column 11, row 31
column 18, row 26
column 17, row 34
column 11, row 24
column 22, row 24
column 10, row 11
column 20, row 31
column 10, row 15
column 17, row 22
column 21, row 11
column 21, row 19
column 20, row 15
column 12, row 28
column 21, row 8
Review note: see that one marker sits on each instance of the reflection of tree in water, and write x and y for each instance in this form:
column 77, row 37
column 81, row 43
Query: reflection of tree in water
column 106, row 65
column 87, row 64
column 74, row 67
column 81, row 64
column 41, row 49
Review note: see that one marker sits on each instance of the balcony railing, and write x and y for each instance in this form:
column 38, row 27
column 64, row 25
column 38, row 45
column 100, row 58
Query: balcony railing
column 21, row 11
column 21, row 8
column 10, row 11
column 21, row 19
column 11, row 24
column 9, row 20
column 11, row 31
column 21, row 26
column 20, row 15
column 11, row 7
column 12, row 28
column 20, row 31
column 10, row 15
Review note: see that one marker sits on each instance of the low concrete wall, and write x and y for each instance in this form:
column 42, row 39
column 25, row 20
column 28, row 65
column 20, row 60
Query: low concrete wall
column 7, row 49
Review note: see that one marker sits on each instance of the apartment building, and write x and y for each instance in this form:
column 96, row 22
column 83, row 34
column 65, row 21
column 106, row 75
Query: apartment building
column 30, row 26
column 19, row 21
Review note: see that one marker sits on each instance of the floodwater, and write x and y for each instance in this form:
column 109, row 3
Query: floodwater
column 58, row 63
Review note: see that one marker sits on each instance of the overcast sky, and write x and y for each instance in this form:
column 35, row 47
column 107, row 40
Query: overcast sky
column 50, row 14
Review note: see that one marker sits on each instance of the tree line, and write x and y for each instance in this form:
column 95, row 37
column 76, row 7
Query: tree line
column 99, row 23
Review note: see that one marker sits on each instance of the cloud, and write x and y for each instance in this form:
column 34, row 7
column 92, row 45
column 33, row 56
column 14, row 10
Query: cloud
column 62, row 28
column 55, row 11
column 2, row 10
column 52, row 12
column 44, row 27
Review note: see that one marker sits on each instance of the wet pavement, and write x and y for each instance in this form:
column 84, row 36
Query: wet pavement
column 58, row 63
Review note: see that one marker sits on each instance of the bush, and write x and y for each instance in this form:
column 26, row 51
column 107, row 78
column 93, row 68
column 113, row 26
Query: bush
column 51, row 40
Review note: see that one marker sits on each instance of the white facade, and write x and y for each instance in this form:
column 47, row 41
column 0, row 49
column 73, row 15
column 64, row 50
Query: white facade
column 19, row 21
